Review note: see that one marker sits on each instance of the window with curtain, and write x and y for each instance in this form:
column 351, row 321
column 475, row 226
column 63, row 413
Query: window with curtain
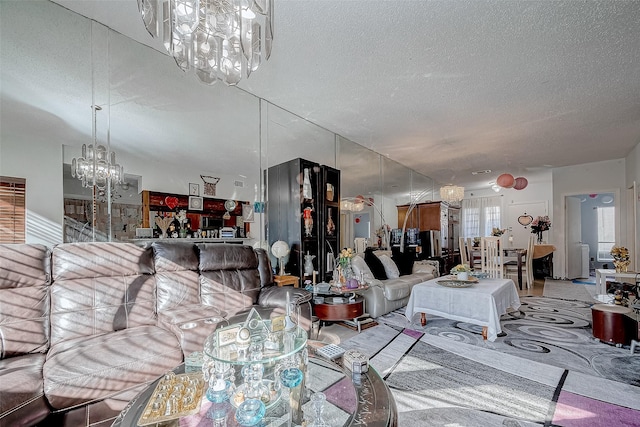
column 12, row 212
column 606, row 232
column 480, row 216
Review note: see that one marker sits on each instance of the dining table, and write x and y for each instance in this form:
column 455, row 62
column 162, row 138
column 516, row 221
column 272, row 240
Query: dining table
column 481, row 303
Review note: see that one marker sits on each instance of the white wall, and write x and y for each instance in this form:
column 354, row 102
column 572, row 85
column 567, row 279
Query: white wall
column 598, row 177
column 538, row 190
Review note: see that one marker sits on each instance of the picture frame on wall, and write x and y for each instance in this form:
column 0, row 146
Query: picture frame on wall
column 194, row 189
column 195, row 203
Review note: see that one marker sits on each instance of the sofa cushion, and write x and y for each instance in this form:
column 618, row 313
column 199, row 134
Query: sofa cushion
column 24, row 299
column 229, row 276
column 92, row 368
column 375, row 265
column 22, row 400
column 390, row 267
column 395, row 289
column 361, row 269
column 404, row 261
column 426, row 267
column 100, row 287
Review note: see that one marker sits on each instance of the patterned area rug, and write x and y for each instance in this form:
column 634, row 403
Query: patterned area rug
column 547, row 370
column 547, row 330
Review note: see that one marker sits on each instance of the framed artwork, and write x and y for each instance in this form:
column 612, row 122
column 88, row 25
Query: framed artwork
column 195, row 203
column 194, row 189
column 247, row 213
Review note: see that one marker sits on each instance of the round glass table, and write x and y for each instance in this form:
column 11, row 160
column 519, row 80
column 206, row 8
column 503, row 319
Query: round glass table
column 351, row 400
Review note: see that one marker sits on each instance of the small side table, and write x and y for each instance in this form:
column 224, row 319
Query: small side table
column 287, row 280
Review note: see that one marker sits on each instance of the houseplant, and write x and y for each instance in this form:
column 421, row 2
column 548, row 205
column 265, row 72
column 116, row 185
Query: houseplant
column 621, row 260
column 461, row 271
column 540, row 224
column 497, row 232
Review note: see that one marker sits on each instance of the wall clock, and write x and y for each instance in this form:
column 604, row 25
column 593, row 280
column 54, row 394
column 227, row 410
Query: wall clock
column 230, row 205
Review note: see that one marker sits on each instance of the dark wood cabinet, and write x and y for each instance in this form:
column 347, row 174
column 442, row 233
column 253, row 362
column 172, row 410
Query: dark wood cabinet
column 303, row 209
column 210, row 217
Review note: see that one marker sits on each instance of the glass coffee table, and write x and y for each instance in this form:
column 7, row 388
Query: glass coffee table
column 351, row 400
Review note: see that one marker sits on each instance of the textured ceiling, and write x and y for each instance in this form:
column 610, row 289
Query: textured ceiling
column 449, row 87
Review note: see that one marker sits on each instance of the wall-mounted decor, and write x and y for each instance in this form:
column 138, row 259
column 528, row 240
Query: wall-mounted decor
column 210, row 184
column 247, row 213
column 194, row 189
column 195, row 203
column 525, row 219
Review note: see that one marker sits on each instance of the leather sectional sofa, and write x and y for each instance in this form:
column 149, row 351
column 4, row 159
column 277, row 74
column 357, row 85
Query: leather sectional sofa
column 386, row 295
column 84, row 327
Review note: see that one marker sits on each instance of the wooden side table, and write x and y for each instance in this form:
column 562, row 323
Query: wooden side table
column 287, row 280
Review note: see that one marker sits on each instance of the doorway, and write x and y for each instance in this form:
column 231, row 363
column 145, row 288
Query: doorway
column 591, row 233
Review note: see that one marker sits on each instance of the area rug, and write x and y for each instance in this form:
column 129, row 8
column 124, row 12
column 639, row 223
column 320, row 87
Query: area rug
column 589, row 281
column 552, row 331
column 439, row 381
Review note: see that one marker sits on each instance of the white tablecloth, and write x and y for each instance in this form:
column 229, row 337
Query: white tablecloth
column 481, row 304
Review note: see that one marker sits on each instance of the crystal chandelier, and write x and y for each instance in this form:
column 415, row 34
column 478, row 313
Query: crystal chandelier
column 451, row 193
column 97, row 166
column 216, row 39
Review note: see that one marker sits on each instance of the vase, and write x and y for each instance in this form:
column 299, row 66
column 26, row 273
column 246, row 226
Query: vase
column 539, row 233
column 463, row 275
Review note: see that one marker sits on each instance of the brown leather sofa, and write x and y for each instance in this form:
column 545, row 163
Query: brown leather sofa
column 85, row 326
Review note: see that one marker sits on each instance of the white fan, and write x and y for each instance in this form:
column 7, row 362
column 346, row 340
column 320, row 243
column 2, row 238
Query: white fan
column 280, row 250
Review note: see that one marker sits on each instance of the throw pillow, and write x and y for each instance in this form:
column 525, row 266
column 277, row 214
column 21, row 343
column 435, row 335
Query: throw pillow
column 359, row 267
column 375, row 265
column 390, row 267
column 404, row 261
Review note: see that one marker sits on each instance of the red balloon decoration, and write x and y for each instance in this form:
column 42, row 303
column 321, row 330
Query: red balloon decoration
column 505, row 180
column 521, row 183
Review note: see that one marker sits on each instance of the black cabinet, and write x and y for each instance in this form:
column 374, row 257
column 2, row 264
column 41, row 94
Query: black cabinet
column 303, row 209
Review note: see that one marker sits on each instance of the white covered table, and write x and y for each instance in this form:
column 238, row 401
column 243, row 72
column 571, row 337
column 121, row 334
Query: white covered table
column 481, row 304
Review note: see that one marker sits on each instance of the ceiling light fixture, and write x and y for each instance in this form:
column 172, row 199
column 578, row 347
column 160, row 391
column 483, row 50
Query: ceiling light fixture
column 216, row 39
column 482, row 172
column 97, row 166
column 506, row 180
column 451, row 193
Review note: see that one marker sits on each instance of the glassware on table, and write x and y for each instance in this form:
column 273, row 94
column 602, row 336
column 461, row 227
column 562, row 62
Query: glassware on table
column 317, row 401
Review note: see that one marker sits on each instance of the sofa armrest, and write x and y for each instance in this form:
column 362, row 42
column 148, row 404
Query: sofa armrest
column 276, row 296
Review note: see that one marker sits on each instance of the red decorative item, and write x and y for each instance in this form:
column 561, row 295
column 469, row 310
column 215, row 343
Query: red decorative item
column 521, row 183
column 506, row 180
column 357, row 220
column 593, row 196
column 171, row 202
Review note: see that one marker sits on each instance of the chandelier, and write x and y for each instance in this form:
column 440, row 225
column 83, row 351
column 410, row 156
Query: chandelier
column 216, row 39
column 97, row 166
column 451, row 193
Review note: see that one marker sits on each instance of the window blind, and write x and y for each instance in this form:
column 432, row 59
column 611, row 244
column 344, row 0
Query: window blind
column 12, row 209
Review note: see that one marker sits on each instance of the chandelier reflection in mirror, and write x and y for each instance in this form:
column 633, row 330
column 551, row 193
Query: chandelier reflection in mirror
column 451, row 193
column 97, row 166
column 216, row 39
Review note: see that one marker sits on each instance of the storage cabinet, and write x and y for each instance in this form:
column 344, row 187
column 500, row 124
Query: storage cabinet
column 210, row 217
column 303, row 209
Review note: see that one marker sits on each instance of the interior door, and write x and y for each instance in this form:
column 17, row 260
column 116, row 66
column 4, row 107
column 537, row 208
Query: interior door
column 573, row 215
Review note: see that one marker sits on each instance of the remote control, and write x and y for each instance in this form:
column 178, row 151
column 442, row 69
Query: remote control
column 331, row 351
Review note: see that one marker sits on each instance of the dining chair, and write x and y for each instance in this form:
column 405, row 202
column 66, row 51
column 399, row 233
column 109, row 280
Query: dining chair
column 491, row 257
column 511, row 269
column 464, row 254
column 474, row 255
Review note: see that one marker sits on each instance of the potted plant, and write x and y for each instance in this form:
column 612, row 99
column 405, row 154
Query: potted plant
column 461, row 271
